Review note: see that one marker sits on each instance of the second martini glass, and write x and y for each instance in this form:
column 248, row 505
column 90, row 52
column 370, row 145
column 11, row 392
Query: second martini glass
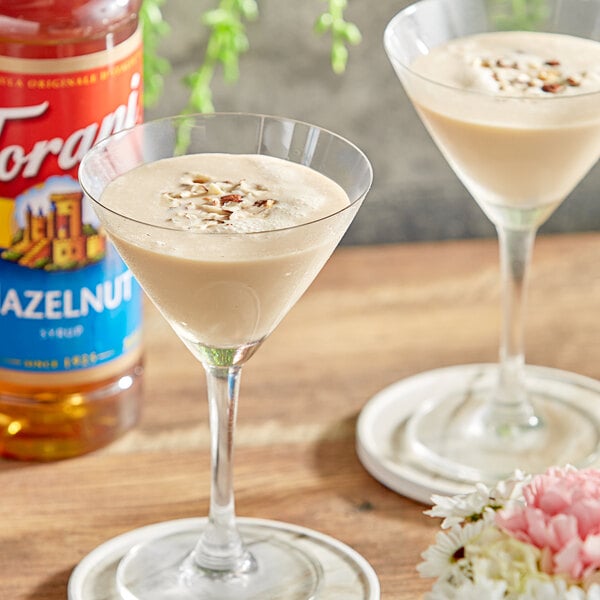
column 223, row 292
column 519, row 151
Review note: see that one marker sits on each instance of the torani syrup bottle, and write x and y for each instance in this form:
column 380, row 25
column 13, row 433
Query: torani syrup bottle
column 70, row 310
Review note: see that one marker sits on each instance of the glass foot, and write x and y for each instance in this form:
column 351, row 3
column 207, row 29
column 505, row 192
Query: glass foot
column 428, row 434
column 291, row 563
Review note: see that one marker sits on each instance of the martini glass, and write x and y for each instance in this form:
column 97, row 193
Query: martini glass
column 519, row 157
column 223, row 293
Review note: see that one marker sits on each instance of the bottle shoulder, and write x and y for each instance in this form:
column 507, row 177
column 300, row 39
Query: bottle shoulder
column 63, row 28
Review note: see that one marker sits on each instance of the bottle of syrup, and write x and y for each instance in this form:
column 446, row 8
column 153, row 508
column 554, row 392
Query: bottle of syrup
column 70, row 310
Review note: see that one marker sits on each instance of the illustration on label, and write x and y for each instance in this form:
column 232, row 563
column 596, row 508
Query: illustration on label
column 55, row 228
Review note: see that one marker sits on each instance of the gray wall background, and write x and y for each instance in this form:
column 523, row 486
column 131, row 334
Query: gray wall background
column 286, row 72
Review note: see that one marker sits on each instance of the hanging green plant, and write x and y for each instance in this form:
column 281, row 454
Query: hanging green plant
column 227, row 40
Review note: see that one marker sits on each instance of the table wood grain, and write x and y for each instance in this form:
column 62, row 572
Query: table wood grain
column 374, row 315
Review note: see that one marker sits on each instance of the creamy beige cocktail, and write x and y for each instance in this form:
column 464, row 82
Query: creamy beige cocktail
column 223, row 257
column 515, row 114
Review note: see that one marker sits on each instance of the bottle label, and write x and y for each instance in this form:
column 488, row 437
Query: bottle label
column 67, row 301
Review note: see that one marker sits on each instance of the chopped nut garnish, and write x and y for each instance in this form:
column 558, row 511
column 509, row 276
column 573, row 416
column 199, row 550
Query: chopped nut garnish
column 521, row 72
column 199, row 202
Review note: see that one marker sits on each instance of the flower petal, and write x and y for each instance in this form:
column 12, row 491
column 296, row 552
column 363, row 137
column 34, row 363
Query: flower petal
column 568, row 560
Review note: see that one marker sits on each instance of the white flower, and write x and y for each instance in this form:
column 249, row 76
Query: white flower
column 558, row 589
column 497, row 556
column 468, row 590
column 510, row 489
column 479, row 504
column 442, row 556
column 489, row 589
column 458, row 509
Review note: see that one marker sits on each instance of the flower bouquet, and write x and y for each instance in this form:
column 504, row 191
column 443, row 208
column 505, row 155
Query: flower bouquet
column 528, row 538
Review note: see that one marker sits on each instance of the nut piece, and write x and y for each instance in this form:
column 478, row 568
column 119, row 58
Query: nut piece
column 231, row 198
column 553, row 88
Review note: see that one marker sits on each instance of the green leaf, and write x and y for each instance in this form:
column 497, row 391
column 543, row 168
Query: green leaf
column 352, row 34
column 342, row 33
column 339, row 58
column 323, row 23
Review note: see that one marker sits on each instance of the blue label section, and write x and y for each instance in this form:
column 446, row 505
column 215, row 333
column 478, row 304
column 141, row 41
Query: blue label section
column 64, row 320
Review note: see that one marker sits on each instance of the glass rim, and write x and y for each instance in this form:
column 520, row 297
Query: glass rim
column 102, row 145
column 389, row 37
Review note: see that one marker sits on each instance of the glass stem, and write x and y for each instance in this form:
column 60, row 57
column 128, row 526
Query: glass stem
column 510, row 408
column 220, row 547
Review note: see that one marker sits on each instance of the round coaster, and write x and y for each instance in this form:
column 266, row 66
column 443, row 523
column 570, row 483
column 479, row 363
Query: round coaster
column 383, row 425
column 380, row 434
column 346, row 573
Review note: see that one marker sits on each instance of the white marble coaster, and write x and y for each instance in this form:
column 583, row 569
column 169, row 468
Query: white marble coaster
column 381, row 429
column 347, row 575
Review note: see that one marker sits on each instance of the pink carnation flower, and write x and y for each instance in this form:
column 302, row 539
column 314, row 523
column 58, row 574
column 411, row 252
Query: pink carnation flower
column 561, row 517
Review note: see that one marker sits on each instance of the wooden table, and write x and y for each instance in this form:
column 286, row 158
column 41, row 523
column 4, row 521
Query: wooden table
column 374, row 315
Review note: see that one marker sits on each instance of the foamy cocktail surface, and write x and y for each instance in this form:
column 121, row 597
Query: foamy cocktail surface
column 515, row 63
column 224, row 193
